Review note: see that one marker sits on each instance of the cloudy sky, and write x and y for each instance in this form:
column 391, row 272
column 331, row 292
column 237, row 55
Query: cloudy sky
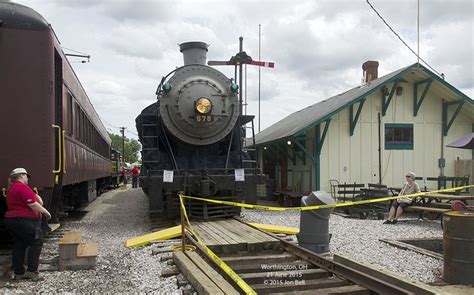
column 318, row 46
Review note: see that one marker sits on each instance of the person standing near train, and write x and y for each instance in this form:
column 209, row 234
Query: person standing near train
column 23, row 221
column 134, row 173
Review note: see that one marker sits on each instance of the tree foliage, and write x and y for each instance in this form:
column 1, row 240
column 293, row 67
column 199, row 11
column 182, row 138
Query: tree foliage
column 132, row 147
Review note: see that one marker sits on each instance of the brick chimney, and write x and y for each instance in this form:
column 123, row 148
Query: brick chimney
column 370, row 70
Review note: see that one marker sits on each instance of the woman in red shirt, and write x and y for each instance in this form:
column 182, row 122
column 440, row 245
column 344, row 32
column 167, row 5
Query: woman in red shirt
column 23, row 221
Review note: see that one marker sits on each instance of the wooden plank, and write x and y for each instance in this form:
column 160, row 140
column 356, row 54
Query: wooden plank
column 70, row 238
column 268, row 242
column 221, row 239
column 276, row 228
column 208, row 239
column 252, row 243
column 231, row 225
column 264, row 237
column 202, row 283
column 427, row 209
column 237, row 238
column 87, row 250
column 228, row 245
column 205, row 234
column 67, row 251
column 165, row 234
column 225, row 286
column 169, row 272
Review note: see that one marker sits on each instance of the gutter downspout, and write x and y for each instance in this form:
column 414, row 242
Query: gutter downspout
column 380, row 147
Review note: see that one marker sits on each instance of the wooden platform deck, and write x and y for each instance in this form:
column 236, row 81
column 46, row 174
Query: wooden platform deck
column 231, row 236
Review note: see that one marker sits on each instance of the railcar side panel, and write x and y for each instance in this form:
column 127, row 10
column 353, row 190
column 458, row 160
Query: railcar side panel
column 26, row 88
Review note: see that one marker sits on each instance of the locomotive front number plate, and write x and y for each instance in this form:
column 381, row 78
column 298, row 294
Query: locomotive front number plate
column 204, row 118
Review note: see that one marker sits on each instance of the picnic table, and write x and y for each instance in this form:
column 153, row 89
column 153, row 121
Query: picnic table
column 433, row 203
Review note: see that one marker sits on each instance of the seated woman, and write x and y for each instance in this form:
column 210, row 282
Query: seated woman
column 410, row 187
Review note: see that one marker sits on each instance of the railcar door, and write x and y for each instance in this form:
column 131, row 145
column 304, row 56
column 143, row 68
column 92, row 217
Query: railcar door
column 58, row 136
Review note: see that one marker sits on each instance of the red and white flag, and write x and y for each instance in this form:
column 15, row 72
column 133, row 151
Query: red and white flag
column 263, row 64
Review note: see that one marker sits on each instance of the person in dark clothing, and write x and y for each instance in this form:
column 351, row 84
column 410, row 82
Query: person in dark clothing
column 124, row 176
column 23, row 221
column 134, row 173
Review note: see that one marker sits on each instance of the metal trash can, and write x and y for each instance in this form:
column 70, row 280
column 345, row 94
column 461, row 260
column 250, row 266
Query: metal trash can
column 314, row 224
column 458, row 247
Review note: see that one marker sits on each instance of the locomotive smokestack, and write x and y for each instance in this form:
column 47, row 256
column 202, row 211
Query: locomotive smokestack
column 194, row 52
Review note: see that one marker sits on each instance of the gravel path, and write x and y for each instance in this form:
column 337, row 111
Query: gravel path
column 360, row 239
column 113, row 218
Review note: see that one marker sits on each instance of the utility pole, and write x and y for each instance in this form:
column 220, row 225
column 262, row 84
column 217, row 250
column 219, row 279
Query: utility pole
column 122, row 130
column 259, row 33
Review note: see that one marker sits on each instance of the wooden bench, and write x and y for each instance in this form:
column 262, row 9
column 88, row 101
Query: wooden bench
column 74, row 255
column 349, row 190
column 422, row 209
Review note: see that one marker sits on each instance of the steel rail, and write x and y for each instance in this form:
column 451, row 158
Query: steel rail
column 357, row 277
column 348, row 273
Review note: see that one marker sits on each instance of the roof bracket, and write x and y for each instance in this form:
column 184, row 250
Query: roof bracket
column 448, row 122
column 352, row 120
column 417, row 103
column 386, row 101
column 298, row 154
column 305, row 150
column 292, row 155
column 319, row 139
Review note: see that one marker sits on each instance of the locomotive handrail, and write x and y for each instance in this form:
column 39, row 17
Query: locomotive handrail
column 59, row 148
column 64, row 152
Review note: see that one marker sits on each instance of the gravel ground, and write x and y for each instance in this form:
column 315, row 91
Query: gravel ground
column 359, row 239
column 113, row 218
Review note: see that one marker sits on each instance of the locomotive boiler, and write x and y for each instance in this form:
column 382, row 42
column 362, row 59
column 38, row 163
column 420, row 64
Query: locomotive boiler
column 193, row 141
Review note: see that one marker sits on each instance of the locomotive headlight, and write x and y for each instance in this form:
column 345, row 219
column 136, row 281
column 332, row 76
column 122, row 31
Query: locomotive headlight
column 203, row 105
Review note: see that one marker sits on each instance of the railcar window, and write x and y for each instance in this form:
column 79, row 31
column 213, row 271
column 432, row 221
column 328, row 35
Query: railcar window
column 89, row 133
column 83, row 127
column 69, row 114
column 78, row 121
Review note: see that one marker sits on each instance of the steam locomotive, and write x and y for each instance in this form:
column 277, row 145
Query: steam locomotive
column 193, row 141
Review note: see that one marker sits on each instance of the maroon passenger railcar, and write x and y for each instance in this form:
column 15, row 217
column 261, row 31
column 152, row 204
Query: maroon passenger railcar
column 47, row 123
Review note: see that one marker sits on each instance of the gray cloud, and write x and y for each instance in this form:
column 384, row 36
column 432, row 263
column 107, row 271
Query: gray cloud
column 318, row 46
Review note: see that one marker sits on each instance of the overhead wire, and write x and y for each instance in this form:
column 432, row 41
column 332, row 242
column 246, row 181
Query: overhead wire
column 403, row 41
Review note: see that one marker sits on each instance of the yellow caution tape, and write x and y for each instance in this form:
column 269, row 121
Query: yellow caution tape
column 179, row 247
column 270, row 208
column 234, row 276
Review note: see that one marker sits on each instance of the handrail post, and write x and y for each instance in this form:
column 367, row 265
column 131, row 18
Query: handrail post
column 64, row 152
column 59, row 149
column 183, row 234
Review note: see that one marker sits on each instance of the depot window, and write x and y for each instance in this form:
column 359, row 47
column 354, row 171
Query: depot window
column 399, row 136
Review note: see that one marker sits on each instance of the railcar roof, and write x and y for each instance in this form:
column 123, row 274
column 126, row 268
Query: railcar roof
column 17, row 16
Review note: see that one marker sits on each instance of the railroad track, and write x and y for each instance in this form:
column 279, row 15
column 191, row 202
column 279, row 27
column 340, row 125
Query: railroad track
column 293, row 269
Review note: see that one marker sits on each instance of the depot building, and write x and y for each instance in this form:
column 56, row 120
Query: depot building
column 373, row 133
